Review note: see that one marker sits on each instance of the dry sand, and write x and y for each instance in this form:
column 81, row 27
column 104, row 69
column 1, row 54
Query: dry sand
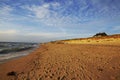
column 66, row 62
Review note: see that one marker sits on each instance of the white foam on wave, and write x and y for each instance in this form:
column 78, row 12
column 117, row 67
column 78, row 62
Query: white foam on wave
column 14, row 55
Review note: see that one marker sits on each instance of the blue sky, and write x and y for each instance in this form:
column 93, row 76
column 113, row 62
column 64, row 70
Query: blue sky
column 46, row 20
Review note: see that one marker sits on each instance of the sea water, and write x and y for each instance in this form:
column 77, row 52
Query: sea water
column 11, row 50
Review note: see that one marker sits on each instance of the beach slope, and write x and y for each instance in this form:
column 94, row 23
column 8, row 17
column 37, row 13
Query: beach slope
column 66, row 61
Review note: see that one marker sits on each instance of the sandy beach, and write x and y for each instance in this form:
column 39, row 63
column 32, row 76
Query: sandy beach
column 59, row 39
column 54, row 61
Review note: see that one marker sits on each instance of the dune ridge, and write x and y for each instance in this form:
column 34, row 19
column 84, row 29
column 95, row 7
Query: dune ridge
column 106, row 40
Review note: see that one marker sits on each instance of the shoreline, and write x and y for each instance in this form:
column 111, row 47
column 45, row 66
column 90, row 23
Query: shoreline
column 7, row 60
column 23, row 54
column 55, row 61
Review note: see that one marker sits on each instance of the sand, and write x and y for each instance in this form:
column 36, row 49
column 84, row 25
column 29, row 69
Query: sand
column 105, row 40
column 66, row 62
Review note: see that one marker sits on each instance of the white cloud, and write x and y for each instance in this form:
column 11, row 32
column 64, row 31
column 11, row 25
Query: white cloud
column 5, row 13
column 41, row 11
column 44, row 14
column 12, row 35
column 55, row 4
column 46, row 35
column 9, row 32
column 116, row 28
column 5, row 10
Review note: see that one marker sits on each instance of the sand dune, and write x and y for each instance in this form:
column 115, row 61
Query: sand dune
column 54, row 61
column 105, row 40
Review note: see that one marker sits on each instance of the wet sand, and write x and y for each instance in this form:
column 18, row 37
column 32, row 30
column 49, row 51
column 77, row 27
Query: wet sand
column 66, row 62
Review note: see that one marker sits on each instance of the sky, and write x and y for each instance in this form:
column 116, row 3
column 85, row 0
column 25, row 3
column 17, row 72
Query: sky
column 49, row 20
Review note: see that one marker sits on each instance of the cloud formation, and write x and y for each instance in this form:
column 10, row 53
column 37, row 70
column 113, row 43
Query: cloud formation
column 59, row 19
column 8, row 32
